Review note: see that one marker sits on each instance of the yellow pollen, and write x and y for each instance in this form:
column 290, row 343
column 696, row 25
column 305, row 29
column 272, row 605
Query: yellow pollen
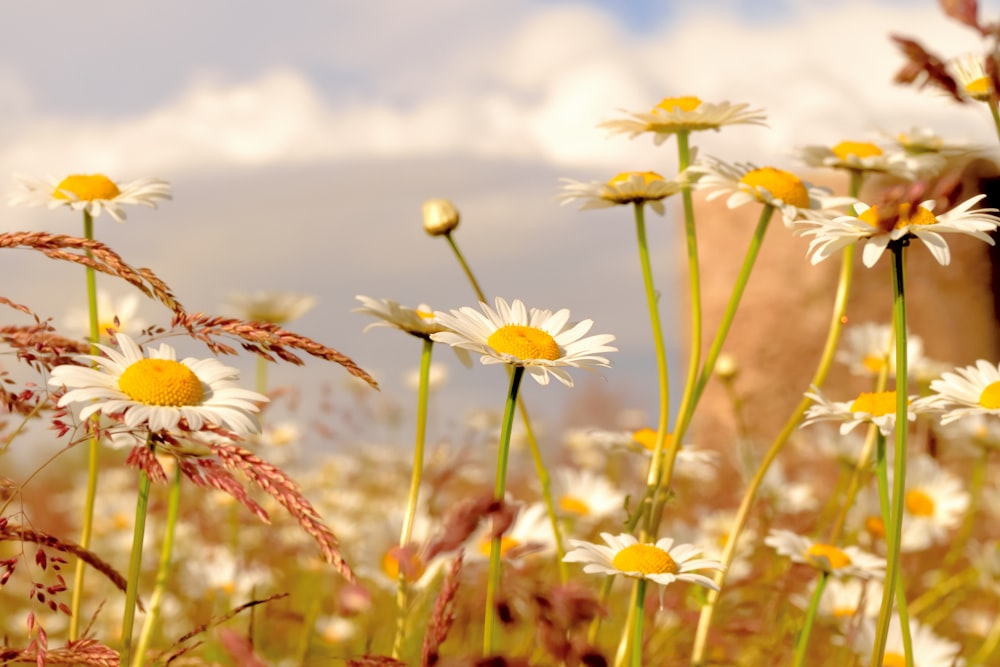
column 990, row 398
column 87, row 187
column 874, row 362
column 647, row 438
column 915, row 215
column 843, row 612
column 390, row 565
column 827, row 556
column 524, row 343
column 671, row 104
column 874, row 525
column 644, row 558
column 781, row 184
column 875, row 403
column 506, row 544
column 161, row 382
column 647, row 177
column 893, row 659
column 859, row 149
column 425, row 314
column 573, row 505
column 980, row 88
column 870, row 216
column 919, row 503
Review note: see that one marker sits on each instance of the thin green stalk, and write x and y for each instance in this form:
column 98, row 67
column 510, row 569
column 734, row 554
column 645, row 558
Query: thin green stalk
column 261, row 377
column 93, row 449
column 637, row 622
column 545, row 481
column 894, row 530
column 163, row 569
column 803, row 642
column 743, row 513
column 996, row 116
column 135, row 561
column 988, row 647
column 411, row 501
column 493, row 582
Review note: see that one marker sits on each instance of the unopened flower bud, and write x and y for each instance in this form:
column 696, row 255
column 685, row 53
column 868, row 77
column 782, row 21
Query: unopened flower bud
column 440, row 217
column 726, row 368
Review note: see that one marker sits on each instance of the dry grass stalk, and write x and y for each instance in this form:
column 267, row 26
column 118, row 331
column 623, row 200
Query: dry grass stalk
column 442, row 617
column 87, row 652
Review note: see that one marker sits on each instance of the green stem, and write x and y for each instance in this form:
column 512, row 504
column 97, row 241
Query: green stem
column 637, row 622
column 261, row 375
column 810, row 620
column 93, row 449
column 996, row 116
column 493, row 582
column 163, row 569
column 411, row 501
column 988, row 647
column 135, row 561
column 893, row 529
column 743, row 513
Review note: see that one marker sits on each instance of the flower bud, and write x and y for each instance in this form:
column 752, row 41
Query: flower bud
column 726, row 367
column 440, row 217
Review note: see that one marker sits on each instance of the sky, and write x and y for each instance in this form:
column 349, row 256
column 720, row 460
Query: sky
column 301, row 139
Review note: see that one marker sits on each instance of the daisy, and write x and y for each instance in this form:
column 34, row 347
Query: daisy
column 880, row 228
column 971, row 432
column 683, row 114
column 440, row 217
column 860, row 156
column 846, row 562
column 877, row 408
column 714, row 530
column 933, row 505
column 869, row 346
column 158, row 392
column 747, row 182
column 844, row 599
column 586, row 495
column 692, row 461
column 92, row 193
column 631, row 187
column 116, row 314
column 418, row 322
column 928, row 650
column 269, row 306
column 973, row 390
column 529, row 535
column 969, row 72
column 925, row 141
column 542, row 342
column 662, row 563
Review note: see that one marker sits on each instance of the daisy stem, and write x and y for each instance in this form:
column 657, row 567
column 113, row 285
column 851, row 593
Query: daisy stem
column 996, row 117
column 743, row 513
column 493, row 582
column 135, row 560
column 893, row 527
column 93, row 449
column 627, row 630
column 640, row 606
column 544, row 479
column 163, row 569
column 803, row 642
column 411, row 501
column 261, row 375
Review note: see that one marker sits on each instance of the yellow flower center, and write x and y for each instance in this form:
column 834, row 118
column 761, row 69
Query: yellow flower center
column 647, row 438
column 644, row 558
column 893, row 659
column 874, row 525
column 524, row 343
column 574, row 505
column 874, row 362
column 844, row 612
column 161, row 382
column 390, row 565
column 827, row 556
column 647, row 177
column 906, row 215
column 87, row 187
column 859, row 149
column 980, row 88
column 425, row 314
column 875, row 403
column 671, row 104
column 506, row 544
column 781, row 184
column 919, row 503
column 990, row 398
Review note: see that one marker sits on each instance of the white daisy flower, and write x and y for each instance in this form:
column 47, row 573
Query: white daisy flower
column 269, row 306
column 109, row 310
column 925, row 141
column 92, row 193
column 973, row 390
column 631, row 187
column 713, row 530
column 867, row 347
column 969, row 72
column 844, row 599
column 836, row 561
column 860, row 156
column 662, row 563
column 587, row 496
column 877, row 408
column 683, row 114
column 692, row 462
column 746, row 182
column 158, row 392
column 529, row 535
column 220, row 572
column 933, row 505
column 419, row 321
column 543, row 342
column 970, row 433
column 905, row 221
column 928, row 650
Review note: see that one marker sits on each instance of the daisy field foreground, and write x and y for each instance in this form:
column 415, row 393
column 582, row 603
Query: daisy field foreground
column 816, row 487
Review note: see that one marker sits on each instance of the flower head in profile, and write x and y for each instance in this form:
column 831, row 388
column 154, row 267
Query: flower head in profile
column 969, row 72
column 869, row 346
column 116, row 314
column 882, row 224
column 683, row 114
column 846, row 562
column 862, row 157
column 631, row 187
column 419, row 321
column 269, row 306
column 972, row 390
column 870, row 407
column 92, row 193
column 440, row 217
column 662, row 563
column 158, row 392
column 781, row 189
column 543, row 342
